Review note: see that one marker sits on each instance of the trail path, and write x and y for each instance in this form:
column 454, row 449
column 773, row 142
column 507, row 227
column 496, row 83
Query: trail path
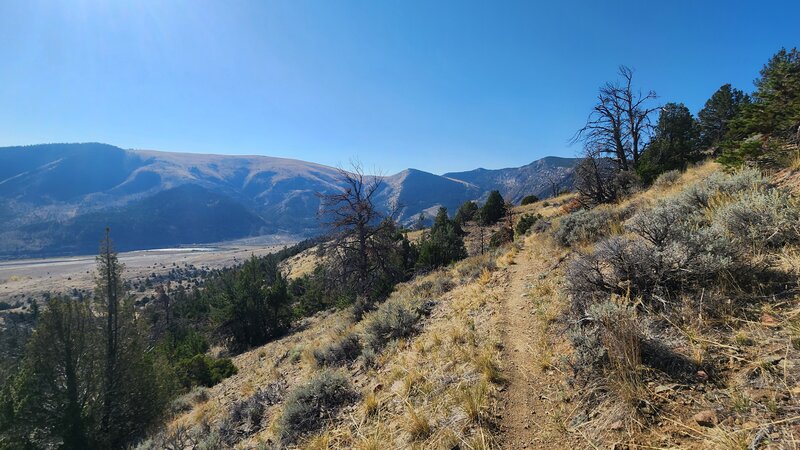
column 529, row 417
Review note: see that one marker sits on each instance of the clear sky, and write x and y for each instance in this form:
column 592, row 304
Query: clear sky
column 439, row 86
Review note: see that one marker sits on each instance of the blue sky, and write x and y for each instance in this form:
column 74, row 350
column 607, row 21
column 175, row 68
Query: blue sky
column 439, row 86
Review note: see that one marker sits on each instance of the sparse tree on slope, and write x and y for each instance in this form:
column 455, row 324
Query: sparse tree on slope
column 494, row 209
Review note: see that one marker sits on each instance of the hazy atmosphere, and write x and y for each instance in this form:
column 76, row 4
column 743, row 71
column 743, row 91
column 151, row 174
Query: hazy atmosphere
column 438, row 86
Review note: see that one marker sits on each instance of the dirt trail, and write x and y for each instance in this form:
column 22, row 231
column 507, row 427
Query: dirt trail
column 528, row 417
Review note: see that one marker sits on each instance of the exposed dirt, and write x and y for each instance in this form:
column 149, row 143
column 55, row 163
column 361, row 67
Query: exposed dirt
column 530, row 417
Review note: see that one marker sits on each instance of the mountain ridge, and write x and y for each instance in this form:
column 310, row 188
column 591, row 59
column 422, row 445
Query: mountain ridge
column 47, row 186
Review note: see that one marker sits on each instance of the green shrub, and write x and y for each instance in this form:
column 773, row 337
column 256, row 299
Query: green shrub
column 338, row 353
column 203, row 370
column 525, row 223
column 585, row 225
column 392, row 320
column 307, row 407
column 528, row 199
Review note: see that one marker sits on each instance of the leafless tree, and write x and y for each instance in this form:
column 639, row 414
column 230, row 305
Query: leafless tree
column 619, row 123
column 356, row 223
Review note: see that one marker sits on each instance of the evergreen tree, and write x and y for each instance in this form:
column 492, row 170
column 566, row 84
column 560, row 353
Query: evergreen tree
column 467, row 212
column 674, row 144
column 130, row 399
column 717, row 113
column 53, row 399
column 764, row 127
column 253, row 305
column 441, row 245
column 494, row 209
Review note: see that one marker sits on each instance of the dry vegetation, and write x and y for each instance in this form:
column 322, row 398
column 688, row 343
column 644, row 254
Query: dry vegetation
column 510, row 350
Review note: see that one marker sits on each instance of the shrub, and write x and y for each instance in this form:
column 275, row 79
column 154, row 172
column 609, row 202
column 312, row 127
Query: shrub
column 318, row 399
column 700, row 194
column 391, row 321
column 203, row 370
column 528, row 199
column 338, row 353
column 246, row 417
column 434, row 286
column 501, row 237
column 761, row 219
column 526, row 222
column 583, row 225
column 667, row 179
column 472, row 268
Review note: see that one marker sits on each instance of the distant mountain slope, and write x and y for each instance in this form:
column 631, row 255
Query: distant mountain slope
column 57, row 198
column 540, row 178
column 184, row 214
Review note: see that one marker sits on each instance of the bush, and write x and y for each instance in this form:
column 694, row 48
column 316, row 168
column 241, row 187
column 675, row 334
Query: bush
column 528, row 199
column 320, row 398
column 667, row 179
column 338, row 353
column 472, row 268
column 583, row 226
column 203, row 370
column 392, row 320
column 501, row 237
column 699, row 195
column 761, row 219
column 246, row 417
column 526, row 222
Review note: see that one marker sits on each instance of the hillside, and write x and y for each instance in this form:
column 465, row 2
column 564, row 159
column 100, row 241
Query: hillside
column 53, row 197
column 494, row 355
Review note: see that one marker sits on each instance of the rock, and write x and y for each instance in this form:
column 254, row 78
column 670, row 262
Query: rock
column 702, row 376
column 664, row 388
column 768, row 320
column 707, row 418
column 617, row 426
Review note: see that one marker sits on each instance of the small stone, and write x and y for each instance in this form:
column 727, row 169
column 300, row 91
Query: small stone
column 663, row 388
column 769, row 320
column 702, row 376
column 617, row 426
column 707, row 418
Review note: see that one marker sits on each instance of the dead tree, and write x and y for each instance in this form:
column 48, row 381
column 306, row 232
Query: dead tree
column 620, row 121
column 355, row 221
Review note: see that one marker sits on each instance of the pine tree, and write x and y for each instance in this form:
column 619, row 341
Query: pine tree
column 717, row 113
column 494, row 209
column 674, row 144
column 130, row 397
column 441, row 245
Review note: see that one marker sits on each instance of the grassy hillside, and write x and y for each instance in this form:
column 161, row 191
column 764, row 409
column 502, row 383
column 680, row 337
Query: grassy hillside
column 506, row 350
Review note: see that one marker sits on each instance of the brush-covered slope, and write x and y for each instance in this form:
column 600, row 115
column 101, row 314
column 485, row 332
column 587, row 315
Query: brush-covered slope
column 504, row 351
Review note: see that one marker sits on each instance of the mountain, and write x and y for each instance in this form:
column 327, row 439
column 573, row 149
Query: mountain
column 58, row 198
column 543, row 178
